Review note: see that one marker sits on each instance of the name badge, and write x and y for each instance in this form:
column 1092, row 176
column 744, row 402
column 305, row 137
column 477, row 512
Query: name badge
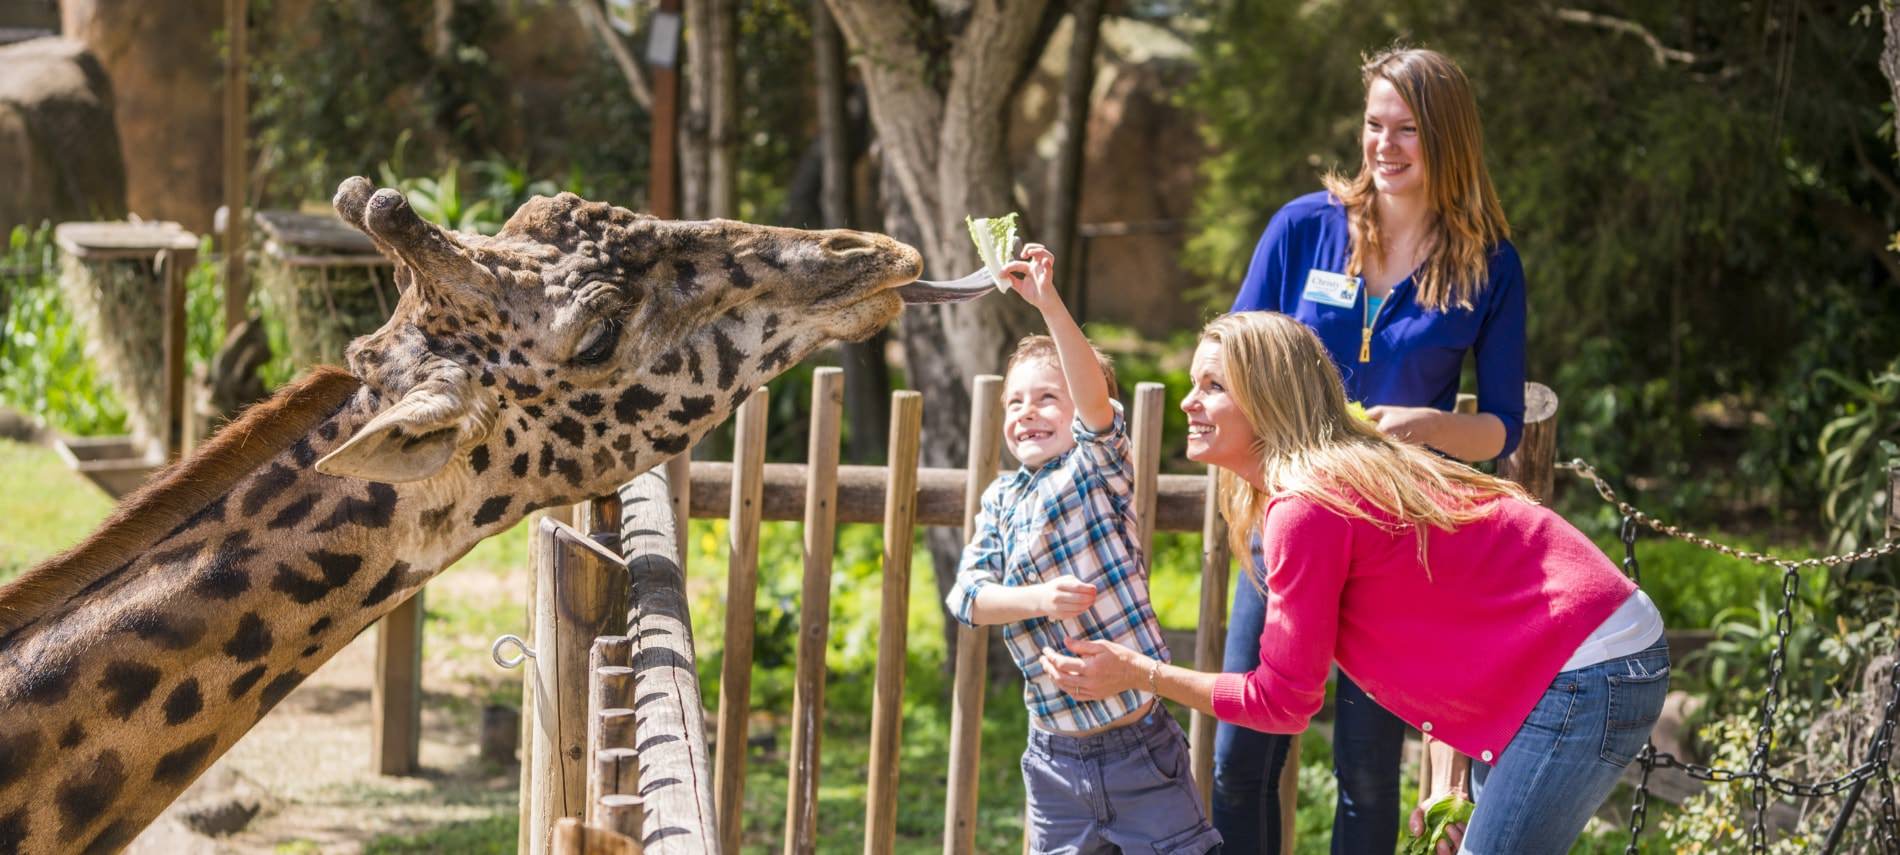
column 1332, row 289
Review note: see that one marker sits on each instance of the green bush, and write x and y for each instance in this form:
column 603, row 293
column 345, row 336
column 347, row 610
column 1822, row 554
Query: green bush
column 44, row 371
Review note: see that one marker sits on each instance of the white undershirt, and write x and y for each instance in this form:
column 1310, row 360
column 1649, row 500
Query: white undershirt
column 1632, row 628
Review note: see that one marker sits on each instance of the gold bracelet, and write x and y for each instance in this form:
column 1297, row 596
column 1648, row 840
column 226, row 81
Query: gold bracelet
column 1152, row 671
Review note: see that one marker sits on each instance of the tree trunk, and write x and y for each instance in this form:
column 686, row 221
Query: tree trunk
column 695, row 148
column 939, row 87
column 1065, row 175
column 722, row 120
column 1890, row 61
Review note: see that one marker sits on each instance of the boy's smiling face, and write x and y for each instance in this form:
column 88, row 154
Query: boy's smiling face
column 1038, row 414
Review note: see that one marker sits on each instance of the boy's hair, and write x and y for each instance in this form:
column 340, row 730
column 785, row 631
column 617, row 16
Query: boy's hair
column 1043, row 347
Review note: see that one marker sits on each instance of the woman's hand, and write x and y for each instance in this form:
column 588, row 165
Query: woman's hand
column 1099, row 669
column 1454, row 832
column 1405, row 424
column 1034, row 277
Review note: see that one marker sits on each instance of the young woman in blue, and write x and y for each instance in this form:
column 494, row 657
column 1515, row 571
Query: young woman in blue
column 1402, row 270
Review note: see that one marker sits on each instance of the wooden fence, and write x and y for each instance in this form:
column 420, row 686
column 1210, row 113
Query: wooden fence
column 620, row 761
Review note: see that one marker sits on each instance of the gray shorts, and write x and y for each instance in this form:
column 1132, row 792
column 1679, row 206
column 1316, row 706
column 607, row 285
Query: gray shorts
column 1126, row 790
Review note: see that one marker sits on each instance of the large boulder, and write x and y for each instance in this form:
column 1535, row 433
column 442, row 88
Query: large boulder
column 59, row 145
column 1138, row 170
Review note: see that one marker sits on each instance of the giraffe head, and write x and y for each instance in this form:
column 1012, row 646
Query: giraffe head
column 584, row 343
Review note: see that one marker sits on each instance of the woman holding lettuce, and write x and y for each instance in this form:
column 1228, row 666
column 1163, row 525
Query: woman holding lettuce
column 1401, row 270
column 1470, row 611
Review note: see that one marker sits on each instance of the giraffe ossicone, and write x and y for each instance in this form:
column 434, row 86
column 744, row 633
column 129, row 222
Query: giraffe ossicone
column 578, row 347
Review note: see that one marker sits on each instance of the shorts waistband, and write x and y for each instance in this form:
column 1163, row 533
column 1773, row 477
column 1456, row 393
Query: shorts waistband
column 1117, row 741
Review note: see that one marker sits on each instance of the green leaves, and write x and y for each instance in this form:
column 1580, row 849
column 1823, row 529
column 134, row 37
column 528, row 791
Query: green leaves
column 1448, row 809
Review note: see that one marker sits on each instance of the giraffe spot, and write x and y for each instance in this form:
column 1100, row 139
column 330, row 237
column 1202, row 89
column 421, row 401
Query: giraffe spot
column 370, row 511
column 570, row 430
column 488, row 377
column 86, row 793
column 310, row 651
column 438, row 518
column 737, row 274
column 692, row 366
column 251, row 640
column 627, row 459
column 180, row 763
column 128, row 685
column 569, row 469
column 112, row 838
column 667, row 444
column 515, row 358
column 302, row 454
column 245, row 681
column 532, row 412
column 635, row 402
column 777, row 357
column 47, row 683
column 318, row 627
column 222, row 583
column 770, row 329
column 520, row 466
column 392, row 580
column 669, row 364
column 327, row 430
column 687, row 277
column 178, row 554
column 168, row 632
column 770, row 258
column 588, row 404
column 212, row 512
column 478, row 459
column 601, row 428
column 603, row 460
column 265, row 487
column 276, row 689
column 623, row 442
column 521, row 391
column 300, row 588
column 235, row 550
column 338, row 567
column 508, row 436
column 729, row 356
column 547, row 458
column 13, row 829
column 492, row 509
column 17, row 751
column 74, row 734
column 294, row 513
column 692, row 408
column 184, row 702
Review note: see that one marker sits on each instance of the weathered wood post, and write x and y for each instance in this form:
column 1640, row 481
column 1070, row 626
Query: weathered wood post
column 973, row 643
column 887, row 703
column 742, row 586
column 1210, row 633
column 814, row 611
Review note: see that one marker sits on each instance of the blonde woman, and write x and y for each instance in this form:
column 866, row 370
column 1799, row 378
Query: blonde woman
column 1468, row 610
column 1403, row 270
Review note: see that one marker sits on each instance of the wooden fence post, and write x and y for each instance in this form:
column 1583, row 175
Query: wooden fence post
column 742, row 587
column 395, row 698
column 973, row 642
column 887, row 703
column 1210, row 634
column 814, row 611
column 581, row 592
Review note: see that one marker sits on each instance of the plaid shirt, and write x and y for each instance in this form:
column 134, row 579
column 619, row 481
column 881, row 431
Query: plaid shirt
column 1073, row 516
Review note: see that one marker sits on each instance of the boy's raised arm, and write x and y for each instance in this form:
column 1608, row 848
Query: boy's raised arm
column 1034, row 279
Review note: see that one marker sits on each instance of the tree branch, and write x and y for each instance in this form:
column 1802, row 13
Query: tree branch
column 594, row 18
column 1663, row 53
column 904, row 108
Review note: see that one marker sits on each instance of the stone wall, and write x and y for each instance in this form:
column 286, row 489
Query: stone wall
column 58, row 146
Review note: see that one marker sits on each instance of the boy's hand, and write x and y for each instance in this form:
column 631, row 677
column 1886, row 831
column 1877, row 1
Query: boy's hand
column 1064, row 597
column 1034, row 277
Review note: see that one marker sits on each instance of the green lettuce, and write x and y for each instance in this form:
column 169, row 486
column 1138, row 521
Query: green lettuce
column 995, row 239
column 1447, row 810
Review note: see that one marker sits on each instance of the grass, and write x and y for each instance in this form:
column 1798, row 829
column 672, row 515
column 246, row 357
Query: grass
column 47, row 510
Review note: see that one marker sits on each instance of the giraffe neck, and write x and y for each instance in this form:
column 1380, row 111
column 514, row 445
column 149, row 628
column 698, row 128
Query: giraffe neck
column 113, row 702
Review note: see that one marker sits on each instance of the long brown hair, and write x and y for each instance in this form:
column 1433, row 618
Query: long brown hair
column 1309, row 444
column 1466, row 222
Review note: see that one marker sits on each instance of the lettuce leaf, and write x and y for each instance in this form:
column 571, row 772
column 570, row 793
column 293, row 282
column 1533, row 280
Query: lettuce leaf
column 1447, row 809
column 995, row 239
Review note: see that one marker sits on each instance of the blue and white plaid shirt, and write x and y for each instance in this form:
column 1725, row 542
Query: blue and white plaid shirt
column 1074, row 516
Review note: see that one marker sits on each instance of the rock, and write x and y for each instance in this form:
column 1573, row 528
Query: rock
column 59, row 144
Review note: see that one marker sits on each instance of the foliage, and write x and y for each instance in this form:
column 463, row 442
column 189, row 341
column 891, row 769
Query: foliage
column 49, row 517
column 1857, row 447
column 1697, row 588
column 494, row 834
column 44, row 371
column 1667, row 234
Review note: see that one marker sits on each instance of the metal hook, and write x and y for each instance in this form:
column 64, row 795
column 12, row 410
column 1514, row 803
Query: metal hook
column 512, row 663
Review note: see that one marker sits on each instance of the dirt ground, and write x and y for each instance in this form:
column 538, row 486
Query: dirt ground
column 309, row 764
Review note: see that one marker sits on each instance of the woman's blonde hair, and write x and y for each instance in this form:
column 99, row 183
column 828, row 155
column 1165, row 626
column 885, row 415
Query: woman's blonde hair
column 1467, row 222
column 1309, row 444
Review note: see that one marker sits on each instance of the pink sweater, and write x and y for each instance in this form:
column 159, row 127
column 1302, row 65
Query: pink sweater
column 1463, row 655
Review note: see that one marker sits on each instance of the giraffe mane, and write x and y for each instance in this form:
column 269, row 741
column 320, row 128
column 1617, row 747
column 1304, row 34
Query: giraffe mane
column 176, row 493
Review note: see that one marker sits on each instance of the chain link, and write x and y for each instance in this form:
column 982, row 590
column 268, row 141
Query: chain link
column 1757, row 774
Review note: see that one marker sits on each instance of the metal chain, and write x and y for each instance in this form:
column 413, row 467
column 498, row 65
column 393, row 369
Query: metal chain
column 1577, row 465
column 1883, row 758
column 1639, row 813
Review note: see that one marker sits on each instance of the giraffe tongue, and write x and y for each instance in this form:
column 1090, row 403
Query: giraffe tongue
column 954, row 291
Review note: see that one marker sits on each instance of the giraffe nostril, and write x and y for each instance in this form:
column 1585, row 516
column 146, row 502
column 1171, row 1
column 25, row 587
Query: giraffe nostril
column 847, row 245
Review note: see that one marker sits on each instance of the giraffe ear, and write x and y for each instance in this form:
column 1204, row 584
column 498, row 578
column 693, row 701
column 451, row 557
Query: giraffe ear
column 410, row 441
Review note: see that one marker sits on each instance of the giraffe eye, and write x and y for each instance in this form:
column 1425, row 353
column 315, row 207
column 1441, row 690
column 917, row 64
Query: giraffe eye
column 599, row 343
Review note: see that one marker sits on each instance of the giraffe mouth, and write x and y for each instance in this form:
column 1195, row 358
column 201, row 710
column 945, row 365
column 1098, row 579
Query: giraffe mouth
column 925, row 291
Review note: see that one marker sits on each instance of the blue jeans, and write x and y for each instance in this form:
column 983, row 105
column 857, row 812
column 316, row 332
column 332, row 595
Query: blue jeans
column 1129, row 790
column 1567, row 756
column 1367, row 742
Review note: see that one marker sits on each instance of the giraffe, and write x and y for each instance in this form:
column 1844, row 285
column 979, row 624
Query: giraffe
column 575, row 349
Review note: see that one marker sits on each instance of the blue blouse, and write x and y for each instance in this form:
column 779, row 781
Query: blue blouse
column 1416, row 353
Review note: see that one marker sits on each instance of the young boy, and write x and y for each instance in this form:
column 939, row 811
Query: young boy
column 1054, row 557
